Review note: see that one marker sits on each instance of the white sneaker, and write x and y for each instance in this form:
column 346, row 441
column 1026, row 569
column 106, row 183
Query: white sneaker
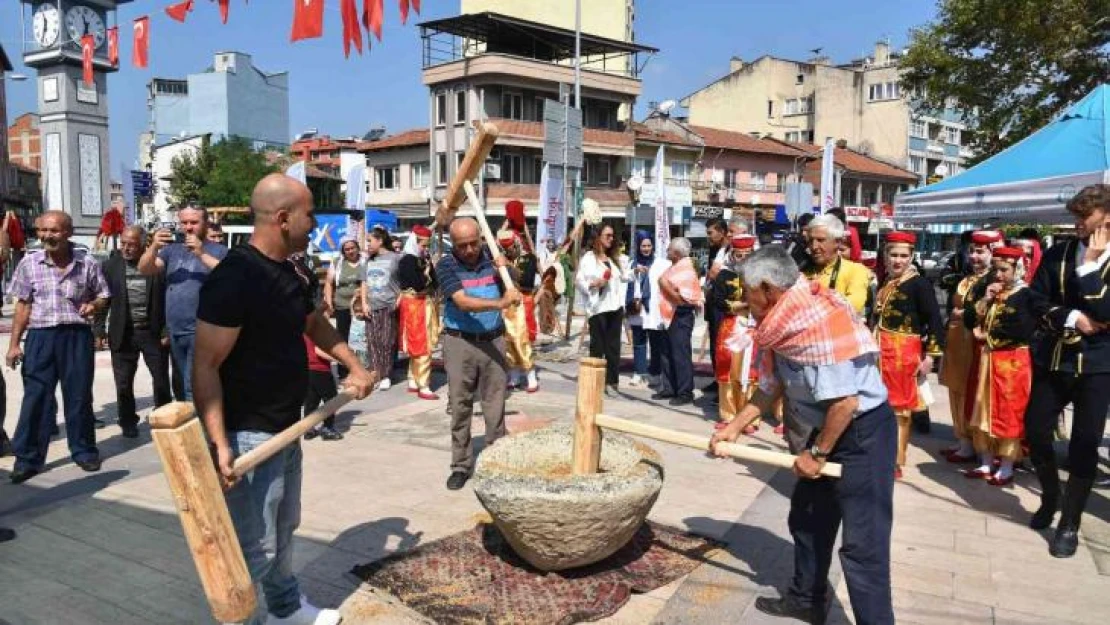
column 384, row 384
column 307, row 615
column 636, row 381
column 533, row 382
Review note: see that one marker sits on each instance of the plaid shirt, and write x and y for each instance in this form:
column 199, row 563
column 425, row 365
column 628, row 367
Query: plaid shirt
column 55, row 298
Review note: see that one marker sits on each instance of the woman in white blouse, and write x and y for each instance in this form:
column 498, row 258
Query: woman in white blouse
column 600, row 278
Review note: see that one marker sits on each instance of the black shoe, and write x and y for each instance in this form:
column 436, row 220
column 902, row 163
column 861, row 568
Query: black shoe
column 786, row 607
column 89, row 466
column 130, row 431
column 329, row 434
column 1049, row 478
column 682, row 400
column 5, row 444
column 457, row 480
column 6, row 534
column 1066, row 540
column 20, row 476
column 662, row 395
column 311, row 434
column 921, row 422
column 711, row 388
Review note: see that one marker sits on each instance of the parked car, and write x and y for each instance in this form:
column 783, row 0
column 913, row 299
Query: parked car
column 936, row 267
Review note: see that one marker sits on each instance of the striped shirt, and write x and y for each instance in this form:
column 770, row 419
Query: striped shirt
column 480, row 281
column 56, row 297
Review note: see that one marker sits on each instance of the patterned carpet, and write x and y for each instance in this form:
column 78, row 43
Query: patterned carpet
column 474, row 577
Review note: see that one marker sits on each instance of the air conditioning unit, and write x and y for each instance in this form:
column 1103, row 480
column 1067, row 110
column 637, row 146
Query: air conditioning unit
column 493, row 171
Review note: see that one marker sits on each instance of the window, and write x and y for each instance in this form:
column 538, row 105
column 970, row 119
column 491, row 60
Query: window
column 537, row 169
column 883, row 91
column 586, row 168
column 770, row 108
column 420, row 175
column 460, row 107
column 441, row 109
column 800, row 136
column 512, row 168
column 643, row 167
column 603, row 171
column 680, row 171
column 917, row 164
column 512, row 106
column 388, row 178
column 441, row 169
column 952, row 135
column 539, row 109
column 459, row 156
column 799, row 79
column 730, row 178
column 798, row 106
column 919, row 128
column 758, row 180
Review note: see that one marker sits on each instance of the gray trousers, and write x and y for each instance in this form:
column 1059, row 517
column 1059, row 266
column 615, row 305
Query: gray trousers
column 475, row 370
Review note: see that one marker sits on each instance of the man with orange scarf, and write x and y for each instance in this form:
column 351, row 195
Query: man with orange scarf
column 907, row 323
column 817, row 352
column 682, row 297
column 1007, row 320
column 520, row 323
column 419, row 330
column 961, row 350
column 733, row 370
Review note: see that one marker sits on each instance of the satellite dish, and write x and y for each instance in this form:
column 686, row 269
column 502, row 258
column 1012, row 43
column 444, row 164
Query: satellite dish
column 941, row 170
column 635, row 183
column 667, row 106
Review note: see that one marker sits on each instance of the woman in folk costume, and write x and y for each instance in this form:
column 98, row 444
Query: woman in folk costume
column 734, row 370
column 1007, row 319
column 419, row 314
column 906, row 322
column 520, row 322
column 959, row 369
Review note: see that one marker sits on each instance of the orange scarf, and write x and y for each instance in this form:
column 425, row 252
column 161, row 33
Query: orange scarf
column 684, row 278
column 812, row 325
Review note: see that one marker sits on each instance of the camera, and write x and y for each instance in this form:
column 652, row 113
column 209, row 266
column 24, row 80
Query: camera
column 178, row 236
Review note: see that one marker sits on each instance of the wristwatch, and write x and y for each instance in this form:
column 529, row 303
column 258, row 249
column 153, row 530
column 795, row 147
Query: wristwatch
column 817, row 453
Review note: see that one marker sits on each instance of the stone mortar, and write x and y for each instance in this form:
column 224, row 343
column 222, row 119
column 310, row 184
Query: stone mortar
column 556, row 520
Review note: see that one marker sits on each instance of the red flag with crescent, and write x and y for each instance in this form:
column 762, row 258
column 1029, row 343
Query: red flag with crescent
column 223, row 10
column 141, row 45
column 308, row 20
column 404, row 11
column 416, row 6
column 88, row 45
column 180, row 10
column 352, row 32
column 113, row 45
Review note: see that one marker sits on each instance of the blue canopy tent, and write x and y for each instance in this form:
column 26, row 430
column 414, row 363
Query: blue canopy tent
column 1030, row 181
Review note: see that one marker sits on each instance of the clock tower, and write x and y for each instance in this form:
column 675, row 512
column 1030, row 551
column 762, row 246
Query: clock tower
column 73, row 118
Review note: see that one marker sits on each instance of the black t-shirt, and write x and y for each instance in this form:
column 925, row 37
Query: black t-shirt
column 265, row 377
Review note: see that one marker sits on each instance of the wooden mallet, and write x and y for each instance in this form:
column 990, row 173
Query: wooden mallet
column 191, row 472
column 588, row 421
column 469, row 169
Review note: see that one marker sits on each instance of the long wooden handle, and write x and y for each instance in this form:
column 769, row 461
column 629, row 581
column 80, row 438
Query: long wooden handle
column 741, row 452
column 472, row 163
column 487, row 234
column 262, row 453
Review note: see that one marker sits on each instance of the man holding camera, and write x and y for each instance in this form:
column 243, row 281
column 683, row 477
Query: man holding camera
column 186, row 257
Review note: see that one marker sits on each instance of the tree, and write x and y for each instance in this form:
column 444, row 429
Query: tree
column 1008, row 66
column 222, row 174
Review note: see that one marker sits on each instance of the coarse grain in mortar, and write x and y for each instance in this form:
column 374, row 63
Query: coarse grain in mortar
column 556, row 520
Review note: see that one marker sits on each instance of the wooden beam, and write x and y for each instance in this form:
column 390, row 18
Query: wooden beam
column 586, row 455
column 472, row 164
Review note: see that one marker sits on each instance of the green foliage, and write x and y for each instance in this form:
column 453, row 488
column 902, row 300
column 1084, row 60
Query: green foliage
column 1009, row 65
column 222, row 174
column 1013, row 230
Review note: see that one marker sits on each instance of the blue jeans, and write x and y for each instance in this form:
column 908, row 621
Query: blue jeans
column 639, row 350
column 678, row 359
column 657, row 342
column 181, row 349
column 265, row 509
column 62, row 354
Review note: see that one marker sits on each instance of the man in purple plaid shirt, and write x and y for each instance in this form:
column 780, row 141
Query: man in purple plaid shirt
column 58, row 290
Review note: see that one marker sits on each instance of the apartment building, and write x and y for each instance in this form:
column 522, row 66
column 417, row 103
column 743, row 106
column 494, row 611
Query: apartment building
column 860, row 102
column 399, row 176
column 25, row 141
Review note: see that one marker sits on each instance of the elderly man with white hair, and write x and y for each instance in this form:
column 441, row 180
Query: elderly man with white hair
column 682, row 296
column 850, row 279
column 820, row 355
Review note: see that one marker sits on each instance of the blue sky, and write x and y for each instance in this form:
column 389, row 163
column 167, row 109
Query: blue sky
column 342, row 97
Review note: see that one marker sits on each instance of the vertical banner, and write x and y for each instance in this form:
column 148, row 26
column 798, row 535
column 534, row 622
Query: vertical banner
column 130, row 211
column 140, row 47
column 662, row 212
column 551, row 218
column 113, row 46
column 828, row 177
column 356, row 187
column 88, row 45
column 296, row 171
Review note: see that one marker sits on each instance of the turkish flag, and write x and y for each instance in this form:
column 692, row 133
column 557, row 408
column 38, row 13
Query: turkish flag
column 113, row 45
column 308, row 20
column 140, row 47
column 223, row 10
column 416, row 6
column 88, row 45
column 372, row 17
column 180, row 10
column 404, row 11
column 352, row 32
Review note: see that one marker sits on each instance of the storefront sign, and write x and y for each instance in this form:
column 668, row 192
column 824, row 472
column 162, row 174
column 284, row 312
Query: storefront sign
column 677, row 196
column 708, row 212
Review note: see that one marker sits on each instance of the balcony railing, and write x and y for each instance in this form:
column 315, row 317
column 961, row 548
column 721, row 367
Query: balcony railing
column 778, row 186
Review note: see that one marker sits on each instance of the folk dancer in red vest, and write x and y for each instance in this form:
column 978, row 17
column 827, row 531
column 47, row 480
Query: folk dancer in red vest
column 520, row 322
column 734, row 364
column 1006, row 322
column 961, row 350
column 906, row 323
column 419, row 330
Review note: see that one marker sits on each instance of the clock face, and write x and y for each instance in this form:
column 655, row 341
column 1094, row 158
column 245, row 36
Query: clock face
column 83, row 20
column 46, row 25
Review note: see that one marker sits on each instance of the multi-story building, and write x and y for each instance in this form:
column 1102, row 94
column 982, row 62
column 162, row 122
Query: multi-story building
column 25, row 142
column 5, row 67
column 399, row 175
column 232, row 98
column 492, row 67
column 860, row 102
column 20, row 190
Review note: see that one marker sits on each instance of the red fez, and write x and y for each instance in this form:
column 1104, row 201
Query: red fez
column 506, row 237
column 986, row 237
column 421, row 231
column 1010, row 253
column 514, row 213
column 906, row 238
column 743, row 242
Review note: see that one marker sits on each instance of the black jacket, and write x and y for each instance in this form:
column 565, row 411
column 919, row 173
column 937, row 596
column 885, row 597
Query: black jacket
column 1057, row 291
column 119, row 315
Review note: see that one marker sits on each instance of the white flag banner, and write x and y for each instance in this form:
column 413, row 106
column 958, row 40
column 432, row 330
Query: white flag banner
column 828, row 177
column 551, row 219
column 662, row 212
column 297, row 172
column 356, row 187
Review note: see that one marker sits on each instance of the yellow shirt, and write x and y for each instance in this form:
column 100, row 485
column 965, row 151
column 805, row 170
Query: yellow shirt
column 852, row 281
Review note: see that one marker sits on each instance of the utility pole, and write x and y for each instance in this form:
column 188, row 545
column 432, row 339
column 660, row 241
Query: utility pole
column 571, row 199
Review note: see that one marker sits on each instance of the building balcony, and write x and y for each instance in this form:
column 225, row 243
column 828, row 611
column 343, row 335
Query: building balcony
column 740, row 193
column 530, row 134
